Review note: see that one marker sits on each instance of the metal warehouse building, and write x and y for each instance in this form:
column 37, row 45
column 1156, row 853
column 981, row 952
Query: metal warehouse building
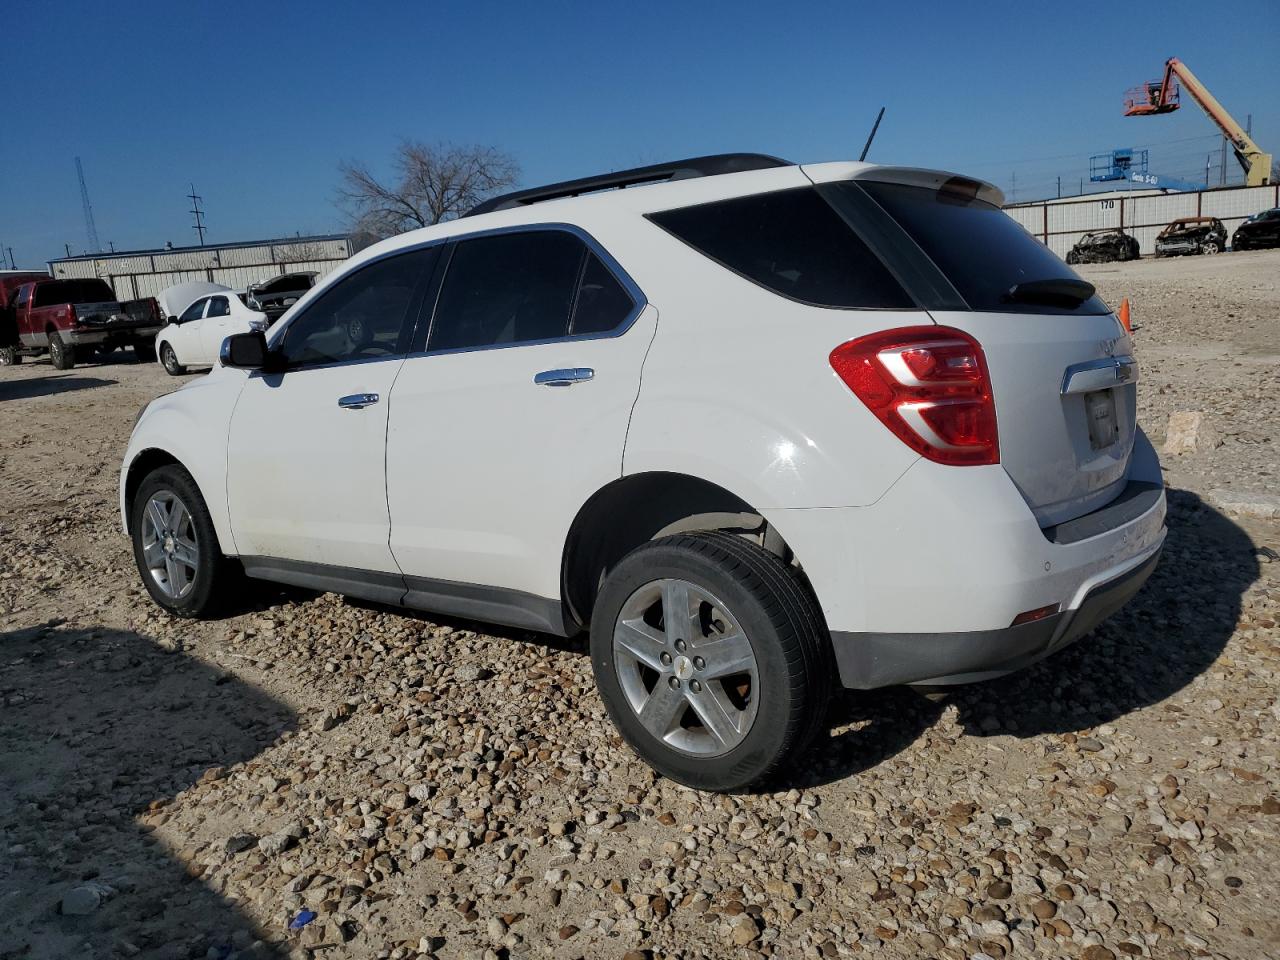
column 144, row 273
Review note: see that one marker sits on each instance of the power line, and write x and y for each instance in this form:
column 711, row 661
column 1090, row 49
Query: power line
column 199, row 227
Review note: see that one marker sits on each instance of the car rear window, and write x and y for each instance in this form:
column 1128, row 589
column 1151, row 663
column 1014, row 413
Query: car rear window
column 73, row 291
column 976, row 245
column 791, row 242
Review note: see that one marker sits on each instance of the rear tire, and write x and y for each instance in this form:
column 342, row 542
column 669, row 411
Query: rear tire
column 175, row 546
column 170, row 361
column 145, row 352
column 62, row 357
column 763, row 691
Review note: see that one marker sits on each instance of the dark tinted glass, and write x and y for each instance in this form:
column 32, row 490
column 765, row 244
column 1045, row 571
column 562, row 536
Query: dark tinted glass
column 979, row 247
column 603, row 302
column 73, row 291
column 510, row 288
column 218, row 307
column 362, row 315
column 193, row 312
column 791, row 242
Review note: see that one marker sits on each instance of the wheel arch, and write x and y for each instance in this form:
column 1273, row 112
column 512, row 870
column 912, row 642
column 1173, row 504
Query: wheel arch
column 148, row 460
column 635, row 509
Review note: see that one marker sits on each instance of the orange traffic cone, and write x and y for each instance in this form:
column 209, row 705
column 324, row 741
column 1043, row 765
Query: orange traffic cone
column 1124, row 315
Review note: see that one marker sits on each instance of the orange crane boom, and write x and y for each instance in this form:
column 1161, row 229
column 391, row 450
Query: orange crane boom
column 1162, row 96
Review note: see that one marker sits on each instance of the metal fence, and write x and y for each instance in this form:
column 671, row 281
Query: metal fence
column 134, row 275
column 1061, row 223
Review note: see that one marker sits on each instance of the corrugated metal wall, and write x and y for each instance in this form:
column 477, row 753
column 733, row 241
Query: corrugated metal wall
column 1061, row 223
column 145, row 275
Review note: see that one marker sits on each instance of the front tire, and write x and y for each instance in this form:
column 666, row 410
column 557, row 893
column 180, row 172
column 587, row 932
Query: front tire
column 9, row 357
column 712, row 659
column 62, row 356
column 175, row 546
column 170, row 361
column 1209, row 247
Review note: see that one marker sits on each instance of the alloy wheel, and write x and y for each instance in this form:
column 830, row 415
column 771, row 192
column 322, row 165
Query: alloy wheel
column 686, row 667
column 170, row 545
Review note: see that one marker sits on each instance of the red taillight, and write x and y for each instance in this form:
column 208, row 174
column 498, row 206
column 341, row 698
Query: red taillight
column 930, row 386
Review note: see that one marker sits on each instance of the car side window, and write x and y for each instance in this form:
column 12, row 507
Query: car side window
column 218, row 307
column 193, row 312
column 603, row 302
column 24, row 295
column 508, row 288
column 363, row 315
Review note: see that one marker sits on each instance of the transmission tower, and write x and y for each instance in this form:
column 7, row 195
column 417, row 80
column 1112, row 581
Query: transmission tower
column 199, row 227
column 89, row 225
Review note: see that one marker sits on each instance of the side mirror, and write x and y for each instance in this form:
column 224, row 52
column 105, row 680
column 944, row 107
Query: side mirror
column 245, row 351
column 171, row 320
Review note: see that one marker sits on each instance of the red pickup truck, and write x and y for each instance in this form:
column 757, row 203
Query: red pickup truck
column 72, row 318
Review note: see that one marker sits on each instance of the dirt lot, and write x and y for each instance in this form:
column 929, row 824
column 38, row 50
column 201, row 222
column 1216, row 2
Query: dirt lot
column 172, row 789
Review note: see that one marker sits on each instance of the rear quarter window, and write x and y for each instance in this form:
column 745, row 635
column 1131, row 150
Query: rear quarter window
column 980, row 249
column 790, row 242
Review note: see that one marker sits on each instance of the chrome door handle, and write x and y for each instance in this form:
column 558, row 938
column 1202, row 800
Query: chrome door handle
column 564, row 377
column 357, row 401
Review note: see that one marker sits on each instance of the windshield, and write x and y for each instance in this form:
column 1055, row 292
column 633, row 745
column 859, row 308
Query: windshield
column 983, row 251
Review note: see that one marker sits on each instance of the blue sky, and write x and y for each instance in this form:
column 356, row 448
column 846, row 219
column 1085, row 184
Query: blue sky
column 258, row 103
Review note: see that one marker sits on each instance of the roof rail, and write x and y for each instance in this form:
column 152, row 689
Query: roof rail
column 675, row 170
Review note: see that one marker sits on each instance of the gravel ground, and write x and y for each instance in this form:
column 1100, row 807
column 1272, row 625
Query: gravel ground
column 437, row 788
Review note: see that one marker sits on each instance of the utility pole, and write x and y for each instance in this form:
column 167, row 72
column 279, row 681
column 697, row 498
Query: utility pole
column 112, row 245
column 199, row 227
column 12, row 265
column 90, row 227
column 1222, row 164
column 67, row 247
column 1013, row 186
column 1059, row 188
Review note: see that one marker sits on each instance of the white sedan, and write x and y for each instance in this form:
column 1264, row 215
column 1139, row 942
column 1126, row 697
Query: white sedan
column 194, row 337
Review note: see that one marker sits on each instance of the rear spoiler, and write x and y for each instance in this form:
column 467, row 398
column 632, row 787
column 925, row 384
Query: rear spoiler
column 907, row 176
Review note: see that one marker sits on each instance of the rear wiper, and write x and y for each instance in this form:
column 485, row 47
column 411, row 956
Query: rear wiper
column 1063, row 291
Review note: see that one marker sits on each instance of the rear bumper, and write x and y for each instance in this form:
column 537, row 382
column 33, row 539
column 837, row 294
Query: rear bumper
column 925, row 583
column 83, row 336
column 870, row 660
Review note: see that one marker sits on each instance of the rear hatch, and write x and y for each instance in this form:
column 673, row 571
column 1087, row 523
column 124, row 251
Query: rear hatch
column 1062, row 375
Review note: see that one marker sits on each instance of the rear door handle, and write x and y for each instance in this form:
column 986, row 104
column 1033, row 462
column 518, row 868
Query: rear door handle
column 357, row 401
column 564, row 377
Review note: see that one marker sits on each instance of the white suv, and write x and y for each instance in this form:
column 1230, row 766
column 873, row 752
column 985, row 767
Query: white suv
column 759, row 427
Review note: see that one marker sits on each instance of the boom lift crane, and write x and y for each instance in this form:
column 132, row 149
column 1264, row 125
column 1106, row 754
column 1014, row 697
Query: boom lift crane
column 1162, row 96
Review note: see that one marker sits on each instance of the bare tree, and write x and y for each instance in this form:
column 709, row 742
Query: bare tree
column 432, row 183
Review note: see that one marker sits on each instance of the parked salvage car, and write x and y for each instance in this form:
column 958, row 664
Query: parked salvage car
column 10, row 281
column 1192, row 235
column 840, row 458
column 1260, row 230
column 72, row 318
column 175, row 299
column 194, row 337
column 273, row 297
column 1104, row 246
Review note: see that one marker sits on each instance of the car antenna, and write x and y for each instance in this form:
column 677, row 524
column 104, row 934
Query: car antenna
column 874, row 127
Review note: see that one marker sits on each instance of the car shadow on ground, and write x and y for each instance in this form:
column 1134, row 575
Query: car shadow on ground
column 49, row 386
column 98, row 726
column 1168, row 635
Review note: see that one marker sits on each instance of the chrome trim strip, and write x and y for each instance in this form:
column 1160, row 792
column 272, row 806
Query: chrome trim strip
column 1099, row 374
